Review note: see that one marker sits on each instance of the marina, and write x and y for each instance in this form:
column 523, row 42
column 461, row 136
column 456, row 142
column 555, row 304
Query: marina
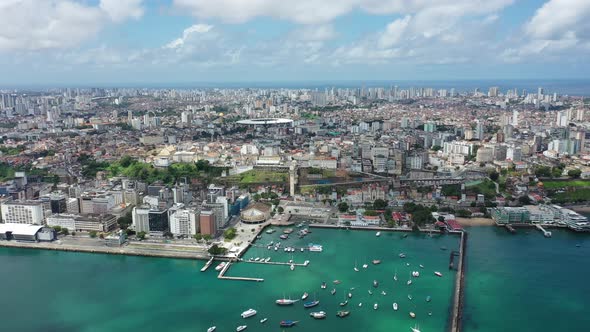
column 182, row 280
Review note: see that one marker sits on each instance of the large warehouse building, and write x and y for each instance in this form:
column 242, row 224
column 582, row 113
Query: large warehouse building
column 26, row 233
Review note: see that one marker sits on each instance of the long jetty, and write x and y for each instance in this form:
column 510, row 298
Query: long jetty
column 306, row 263
column 226, row 267
column 457, row 315
column 208, row 264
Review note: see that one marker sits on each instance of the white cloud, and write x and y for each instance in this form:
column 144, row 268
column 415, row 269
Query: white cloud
column 50, row 24
column 186, row 34
column 394, row 32
column 321, row 32
column 120, row 10
column 559, row 30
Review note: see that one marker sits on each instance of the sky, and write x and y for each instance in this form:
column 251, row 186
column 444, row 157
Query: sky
column 85, row 42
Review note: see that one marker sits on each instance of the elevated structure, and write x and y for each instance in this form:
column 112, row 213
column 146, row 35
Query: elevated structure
column 267, row 122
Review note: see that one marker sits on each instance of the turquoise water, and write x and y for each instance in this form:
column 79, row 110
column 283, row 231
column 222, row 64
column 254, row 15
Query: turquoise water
column 62, row 291
column 525, row 282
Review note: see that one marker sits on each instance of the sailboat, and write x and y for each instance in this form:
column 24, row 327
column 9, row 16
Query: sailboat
column 410, row 280
column 285, row 301
column 342, row 304
column 365, row 265
column 415, row 328
column 395, row 275
column 310, row 304
column 356, row 269
column 211, row 329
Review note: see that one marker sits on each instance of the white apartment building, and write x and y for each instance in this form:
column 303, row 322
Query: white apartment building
column 183, row 222
column 16, row 212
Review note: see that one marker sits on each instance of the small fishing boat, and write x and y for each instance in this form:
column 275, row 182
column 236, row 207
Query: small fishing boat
column 378, row 234
column 412, row 314
column 383, row 293
column 284, row 301
column 333, row 291
column 284, row 236
column 323, row 286
column 288, row 323
column 428, row 298
column 370, row 292
column 415, row 328
column 256, row 259
column 409, row 282
column 438, row 274
column 361, row 304
column 443, row 248
column 241, row 328
column 336, row 282
column 375, row 283
column 415, row 274
column 292, row 267
column 409, row 297
column 311, row 304
column 375, row 306
column 349, row 295
column 263, row 320
column 342, row 313
column 342, row 304
column 211, row 329
column 395, row 275
column 220, row 266
column 430, row 313
column 376, row 261
column 365, row 266
column 248, row 313
column 402, row 255
column 394, row 306
column 270, row 231
column 356, row 269
column 407, row 264
column 304, row 296
column 421, row 266
column 318, row 314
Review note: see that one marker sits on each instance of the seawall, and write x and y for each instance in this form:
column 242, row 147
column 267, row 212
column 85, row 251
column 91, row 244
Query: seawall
column 458, row 296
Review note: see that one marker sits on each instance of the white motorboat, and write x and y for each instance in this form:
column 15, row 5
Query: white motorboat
column 318, row 314
column 292, row 267
column 241, row 328
column 211, row 329
column 412, row 314
column 383, row 293
column 415, row 328
column 365, row 266
column 375, row 306
column 378, row 234
column 421, row 266
column 304, row 296
column 220, row 266
column 360, row 304
column 438, row 274
column 356, row 269
column 248, row 313
column 409, row 297
column 370, row 292
column 394, row 306
column 263, row 320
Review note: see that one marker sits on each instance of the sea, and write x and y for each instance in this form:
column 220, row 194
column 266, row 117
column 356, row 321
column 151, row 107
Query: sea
column 520, row 282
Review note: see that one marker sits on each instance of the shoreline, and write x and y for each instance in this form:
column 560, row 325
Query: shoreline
column 475, row 222
column 106, row 250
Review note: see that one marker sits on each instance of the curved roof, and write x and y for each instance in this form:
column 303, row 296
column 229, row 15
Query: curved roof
column 266, row 121
column 20, row 229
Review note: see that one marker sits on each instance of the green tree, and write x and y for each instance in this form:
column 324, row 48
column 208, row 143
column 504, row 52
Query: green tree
column 125, row 221
column 168, row 235
column 207, row 237
column 441, row 219
column 342, row 207
column 92, row 234
column 543, row 172
column 574, row 173
column 217, row 250
column 494, row 176
column 379, row 204
column 57, row 228
column 524, row 200
column 280, row 209
column 198, row 236
column 556, row 172
column 230, row 233
column 141, row 236
column 65, row 231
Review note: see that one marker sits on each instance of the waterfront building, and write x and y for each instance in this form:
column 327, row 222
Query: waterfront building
column 183, row 221
column 86, row 223
column 255, row 213
column 158, row 221
column 140, row 220
column 18, row 212
column 26, row 233
column 207, row 223
column 509, row 215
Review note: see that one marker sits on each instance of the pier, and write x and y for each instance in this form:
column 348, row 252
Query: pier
column 209, row 262
column 226, row 267
column 457, row 315
column 452, row 256
column 304, row 264
column 545, row 233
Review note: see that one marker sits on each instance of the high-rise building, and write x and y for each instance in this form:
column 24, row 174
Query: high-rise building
column 183, row 221
column 207, row 223
column 515, row 118
column 479, row 130
column 16, row 212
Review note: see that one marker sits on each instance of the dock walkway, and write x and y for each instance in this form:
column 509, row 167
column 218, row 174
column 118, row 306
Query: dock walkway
column 226, row 267
column 208, row 264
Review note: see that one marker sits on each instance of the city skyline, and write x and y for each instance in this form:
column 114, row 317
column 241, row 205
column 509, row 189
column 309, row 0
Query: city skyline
column 183, row 41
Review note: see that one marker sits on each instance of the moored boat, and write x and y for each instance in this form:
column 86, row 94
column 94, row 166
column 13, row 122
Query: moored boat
column 241, row 328
column 323, row 286
column 318, row 314
column 288, row 323
column 378, row 234
column 409, row 297
column 336, row 282
column 375, row 306
column 394, row 306
column 211, row 329
column 376, row 261
column 360, row 304
column 220, row 266
column 349, row 295
column 412, row 314
column 383, row 293
column 311, row 304
column 438, row 274
column 333, row 291
column 284, row 236
column 292, row 267
column 248, row 313
column 402, row 255
column 428, row 298
column 342, row 304
column 285, row 301
column 263, row 320
column 375, row 283
column 342, row 313
column 415, row 328
column 304, row 296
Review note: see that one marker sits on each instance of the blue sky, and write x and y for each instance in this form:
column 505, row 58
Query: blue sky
column 61, row 42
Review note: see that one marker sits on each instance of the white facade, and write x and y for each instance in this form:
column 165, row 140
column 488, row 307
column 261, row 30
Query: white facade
column 22, row 213
column 140, row 219
column 184, row 222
